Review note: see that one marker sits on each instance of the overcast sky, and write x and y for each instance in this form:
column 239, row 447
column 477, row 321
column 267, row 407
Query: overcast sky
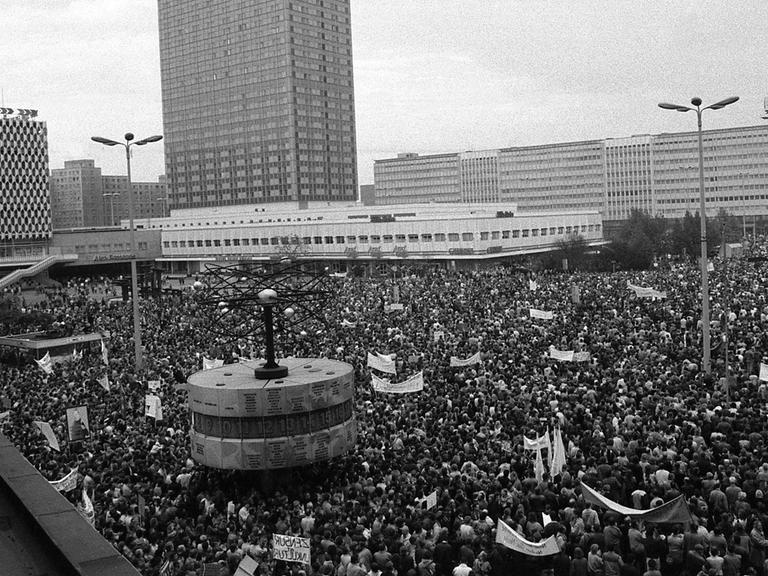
column 430, row 75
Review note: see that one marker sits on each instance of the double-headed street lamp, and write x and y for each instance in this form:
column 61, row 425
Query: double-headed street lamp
column 696, row 102
column 139, row 359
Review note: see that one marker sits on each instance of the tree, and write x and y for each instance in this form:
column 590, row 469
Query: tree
column 638, row 241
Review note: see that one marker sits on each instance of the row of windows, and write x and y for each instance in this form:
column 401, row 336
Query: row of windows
column 273, row 426
column 382, row 239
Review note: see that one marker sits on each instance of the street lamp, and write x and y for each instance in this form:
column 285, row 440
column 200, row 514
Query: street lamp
column 139, row 360
column 702, row 217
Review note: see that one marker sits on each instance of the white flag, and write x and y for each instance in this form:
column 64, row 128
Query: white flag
column 538, row 467
column 474, row 359
column 47, row 431
column 382, row 363
column 45, row 363
column 541, row 314
column 104, row 382
column 558, row 454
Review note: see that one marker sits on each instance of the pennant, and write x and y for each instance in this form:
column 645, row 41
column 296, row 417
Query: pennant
column 512, row 540
column 474, row 359
column 45, row 363
column 209, row 364
column 104, row 382
column 47, row 431
column 541, row 314
column 104, row 357
column 66, row 484
column 545, row 519
column 153, row 407
column 763, row 372
column 560, row 355
column 382, row 363
column 413, row 384
column 673, row 512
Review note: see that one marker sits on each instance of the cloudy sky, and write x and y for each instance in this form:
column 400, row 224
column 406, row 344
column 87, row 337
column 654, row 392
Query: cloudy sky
column 430, row 75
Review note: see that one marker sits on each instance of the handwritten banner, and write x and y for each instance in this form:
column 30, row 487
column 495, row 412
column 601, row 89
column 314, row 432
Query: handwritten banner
column 512, row 540
column 541, row 314
column 290, row 548
column 381, row 363
column 413, row 384
column 474, row 359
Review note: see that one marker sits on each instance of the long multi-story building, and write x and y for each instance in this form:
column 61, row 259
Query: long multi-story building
column 25, row 210
column 657, row 174
column 258, row 101
column 82, row 197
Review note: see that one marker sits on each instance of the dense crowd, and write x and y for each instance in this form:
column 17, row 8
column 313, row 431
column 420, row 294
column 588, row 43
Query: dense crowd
column 640, row 420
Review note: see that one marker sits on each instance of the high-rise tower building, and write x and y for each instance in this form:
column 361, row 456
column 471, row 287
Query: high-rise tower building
column 25, row 208
column 258, row 101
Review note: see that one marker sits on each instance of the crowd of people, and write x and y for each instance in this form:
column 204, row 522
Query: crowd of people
column 641, row 422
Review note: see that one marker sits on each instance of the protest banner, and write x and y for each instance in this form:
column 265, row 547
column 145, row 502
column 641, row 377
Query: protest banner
column 247, row 567
column 413, row 384
column 77, row 423
column 541, row 314
column 512, row 540
column 382, row 363
column 675, row 511
column 581, row 357
column 290, row 548
column 429, row 501
column 560, row 355
column 474, row 359
column 763, row 372
column 66, row 484
column 47, row 431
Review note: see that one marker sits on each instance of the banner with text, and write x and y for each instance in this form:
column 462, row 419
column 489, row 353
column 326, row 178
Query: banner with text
column 474, row 359
column 381, row 363
column 512, row 540
column 541, row 314
column 290, row 548
column 66, row 484
column 413, row 384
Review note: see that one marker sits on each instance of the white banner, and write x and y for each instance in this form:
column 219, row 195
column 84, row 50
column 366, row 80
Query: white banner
column 247, row 567
column 581, row 357
column 104, row 356
column 474, row 359
column 209, row 364
column 153, row 407
column 429, row 501
column 66, row 484
column 290, row 548
column 532, row 285
column 413, row 384
column 382, row 363
column 540, row 442
column 763, row 372
column 541, row 314
column 560, row 355
column 642, row 292
column 512, row 540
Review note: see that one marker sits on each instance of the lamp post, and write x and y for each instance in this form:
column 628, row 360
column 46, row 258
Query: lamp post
column 139, row 359
column 696, row 102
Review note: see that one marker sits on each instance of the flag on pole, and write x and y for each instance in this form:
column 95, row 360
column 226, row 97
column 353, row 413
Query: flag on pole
column 45, row 363
column 558, row 454
column 104, row 356
column 104, row 382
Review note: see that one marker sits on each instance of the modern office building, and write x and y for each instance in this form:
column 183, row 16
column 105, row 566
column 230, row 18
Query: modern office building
column 82, row 197
column 258, row 102
column 657, row 174
column 76, row 195
column 25, row 210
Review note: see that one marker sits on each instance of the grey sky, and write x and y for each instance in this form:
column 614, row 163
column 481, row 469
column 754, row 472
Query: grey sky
column 430, row 75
